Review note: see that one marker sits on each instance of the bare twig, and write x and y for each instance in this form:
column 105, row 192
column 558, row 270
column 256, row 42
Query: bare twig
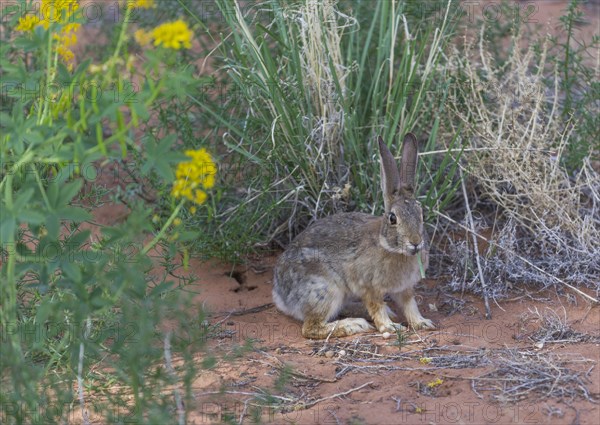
column 241, row 420
column 257, row 394
column 171, row 372
column 312, row 403
column 522, row 373
column 243, row 312
column 488, row 312
column 280, row 366
column 84, row 413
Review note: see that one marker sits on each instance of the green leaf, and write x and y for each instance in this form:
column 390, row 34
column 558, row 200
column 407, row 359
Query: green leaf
column 7, row 227
column 22, row 200
column 160, row 288
column 78, row 239
column 72, row 270
column 75, row 214
column 141, row 110
column 164, row 170
column 70, row 190
column 31, row 216
column 161, row 157
column 34, row 138
column 52, row 225
column 188, row 236
column 52, row 194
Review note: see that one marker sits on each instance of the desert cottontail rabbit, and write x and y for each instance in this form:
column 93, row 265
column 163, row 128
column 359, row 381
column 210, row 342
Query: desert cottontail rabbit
column 355, row 255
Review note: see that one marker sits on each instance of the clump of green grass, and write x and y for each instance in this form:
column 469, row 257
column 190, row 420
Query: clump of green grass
column 308, row 87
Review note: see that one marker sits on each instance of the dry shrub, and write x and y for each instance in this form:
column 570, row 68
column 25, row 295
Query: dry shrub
column 514, row 141
column 518, row 375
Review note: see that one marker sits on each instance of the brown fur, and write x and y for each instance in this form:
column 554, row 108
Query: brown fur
column 355, row 255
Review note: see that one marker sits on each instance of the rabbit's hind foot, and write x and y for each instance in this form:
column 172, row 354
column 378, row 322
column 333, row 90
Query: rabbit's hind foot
column 317, row 328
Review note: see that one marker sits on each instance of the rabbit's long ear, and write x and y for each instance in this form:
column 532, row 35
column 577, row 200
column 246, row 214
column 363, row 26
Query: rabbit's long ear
column 408, row 164
column 390, row 178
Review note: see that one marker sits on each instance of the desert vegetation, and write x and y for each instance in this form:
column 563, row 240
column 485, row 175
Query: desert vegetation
column 143, row 140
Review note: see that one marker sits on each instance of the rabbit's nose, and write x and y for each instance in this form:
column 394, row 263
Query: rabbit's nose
column 413, row 249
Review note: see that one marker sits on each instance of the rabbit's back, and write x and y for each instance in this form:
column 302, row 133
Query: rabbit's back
column 340, row 237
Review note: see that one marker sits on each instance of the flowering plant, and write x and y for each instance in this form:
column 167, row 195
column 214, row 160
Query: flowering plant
column 63, row 119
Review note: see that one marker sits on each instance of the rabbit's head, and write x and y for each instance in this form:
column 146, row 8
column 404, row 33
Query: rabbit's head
column 402, row 229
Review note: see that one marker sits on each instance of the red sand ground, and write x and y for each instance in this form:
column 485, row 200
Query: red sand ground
column 245, row 312
column 390, row 396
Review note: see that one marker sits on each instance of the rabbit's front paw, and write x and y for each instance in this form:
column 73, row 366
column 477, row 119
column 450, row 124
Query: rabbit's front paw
column 392, row 327
column 423, row 323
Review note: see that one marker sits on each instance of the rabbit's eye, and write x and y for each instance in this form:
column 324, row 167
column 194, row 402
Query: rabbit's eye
column 392, row 218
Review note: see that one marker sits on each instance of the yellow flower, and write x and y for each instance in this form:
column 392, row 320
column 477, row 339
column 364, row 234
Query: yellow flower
column 143, row 37
column 66, row 55
column 425, row 360
column 58, row 11
column 141, row 4
column 435, row 383
column 193, row 210
column 27, row 23
column 66, row 39
column 177, row 222
column 173, row 35
column 419, row 410
column 193, row 177
column 62, row 13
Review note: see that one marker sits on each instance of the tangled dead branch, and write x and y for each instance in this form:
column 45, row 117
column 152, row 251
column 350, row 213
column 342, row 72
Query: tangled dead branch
column 515, row 140
column 519, row 374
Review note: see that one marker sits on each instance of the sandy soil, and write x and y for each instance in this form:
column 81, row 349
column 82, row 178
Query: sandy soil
column 393, row 380
column 366, row 379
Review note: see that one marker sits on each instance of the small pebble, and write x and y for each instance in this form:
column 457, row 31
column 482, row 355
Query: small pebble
column 386, row 335
column 342, row 353
column 329, row 354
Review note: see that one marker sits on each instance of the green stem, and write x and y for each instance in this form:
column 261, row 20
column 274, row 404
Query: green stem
column 25, row 158
column 41, row 187
column 47, row 97
column 49, row 75
column 155, row 92
column 119, row 42
column 421, row 268
column 160, row 234
column 9, row 310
